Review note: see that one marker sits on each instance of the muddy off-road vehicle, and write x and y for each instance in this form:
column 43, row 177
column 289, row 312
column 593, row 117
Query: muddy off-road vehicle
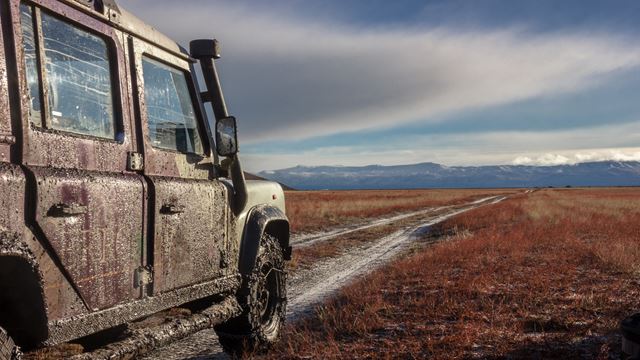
column 117, row 198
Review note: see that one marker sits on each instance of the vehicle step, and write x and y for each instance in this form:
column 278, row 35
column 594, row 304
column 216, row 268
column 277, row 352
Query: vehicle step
column 144, row 340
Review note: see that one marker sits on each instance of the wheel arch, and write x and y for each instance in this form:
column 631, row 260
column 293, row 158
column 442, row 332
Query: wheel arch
column 263, row 219
column 23, row 313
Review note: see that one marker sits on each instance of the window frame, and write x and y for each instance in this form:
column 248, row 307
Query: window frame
column 158, row 56
column 160, row 162
column 199, row 119
column 37, row 9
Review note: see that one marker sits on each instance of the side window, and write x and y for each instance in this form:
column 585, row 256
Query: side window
column 171, row 116
column 77, row 77
column 31, row 63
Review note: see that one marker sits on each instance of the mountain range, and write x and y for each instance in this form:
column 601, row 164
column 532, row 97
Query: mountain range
column 431, row 175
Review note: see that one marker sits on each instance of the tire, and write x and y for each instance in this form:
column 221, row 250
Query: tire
column 8, row 349
column 264, row 302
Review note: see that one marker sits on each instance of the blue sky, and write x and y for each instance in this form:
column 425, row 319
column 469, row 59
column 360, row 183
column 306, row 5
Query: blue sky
column 389, row 82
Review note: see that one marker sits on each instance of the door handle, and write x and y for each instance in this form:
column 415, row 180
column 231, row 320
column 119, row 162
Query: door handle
column 171, row 209
column 67, row 210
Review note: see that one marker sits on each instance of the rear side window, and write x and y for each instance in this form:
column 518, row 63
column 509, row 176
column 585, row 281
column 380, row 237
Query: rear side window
column 77, row 77
column 31, row 64
column 170, row 112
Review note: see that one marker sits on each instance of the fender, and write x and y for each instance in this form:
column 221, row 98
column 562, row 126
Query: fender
column 263, row 219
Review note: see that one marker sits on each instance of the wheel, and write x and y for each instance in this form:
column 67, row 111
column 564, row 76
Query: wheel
column 264, row 302
column 8, row 349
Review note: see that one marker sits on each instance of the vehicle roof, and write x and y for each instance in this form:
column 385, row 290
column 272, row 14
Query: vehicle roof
column 126, row 21
column 136, row 26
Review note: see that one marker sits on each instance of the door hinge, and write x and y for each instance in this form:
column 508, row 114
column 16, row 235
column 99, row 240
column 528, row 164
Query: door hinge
column 135, row 161
column 143, row 276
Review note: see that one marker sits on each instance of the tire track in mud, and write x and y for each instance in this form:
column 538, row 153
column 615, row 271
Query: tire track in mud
column 311, row 286
column 304, row 240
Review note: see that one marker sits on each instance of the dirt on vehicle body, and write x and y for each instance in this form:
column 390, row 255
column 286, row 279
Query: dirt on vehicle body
column 114, row 200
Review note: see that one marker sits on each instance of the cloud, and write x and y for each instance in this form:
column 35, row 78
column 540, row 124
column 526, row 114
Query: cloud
column 618, row 143
column 287, row 77
column 546, row 159
column 580, row 157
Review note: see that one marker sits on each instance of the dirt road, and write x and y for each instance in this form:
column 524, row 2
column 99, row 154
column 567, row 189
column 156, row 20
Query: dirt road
column 310, row 286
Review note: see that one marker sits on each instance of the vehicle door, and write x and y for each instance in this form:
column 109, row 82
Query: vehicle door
column 86, row 206
column 187, row 204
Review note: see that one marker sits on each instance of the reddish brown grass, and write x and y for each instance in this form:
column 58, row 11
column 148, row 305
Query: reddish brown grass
column 316, row 210
column 545, row 275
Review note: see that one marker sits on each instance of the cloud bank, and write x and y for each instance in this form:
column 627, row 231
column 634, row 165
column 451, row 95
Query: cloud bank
column 292, row 78
column 580, row 157
column 618, row 143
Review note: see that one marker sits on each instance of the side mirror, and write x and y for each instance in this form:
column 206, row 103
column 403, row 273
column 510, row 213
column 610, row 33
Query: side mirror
column 226, row 136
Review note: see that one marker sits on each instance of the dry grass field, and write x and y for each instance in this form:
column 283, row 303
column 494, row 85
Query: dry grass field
column 542, row 275
column 317, row 210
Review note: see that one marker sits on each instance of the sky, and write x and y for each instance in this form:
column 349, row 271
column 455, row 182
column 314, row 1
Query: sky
column 475, row 82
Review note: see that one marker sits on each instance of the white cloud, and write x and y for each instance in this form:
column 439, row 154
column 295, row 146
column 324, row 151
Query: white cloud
column 286, row 77
column 618, row 143
column 259, row 162
column 632, row 154
column 546, row 159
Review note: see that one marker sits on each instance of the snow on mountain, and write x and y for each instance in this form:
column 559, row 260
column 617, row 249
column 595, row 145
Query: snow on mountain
column 431, row 175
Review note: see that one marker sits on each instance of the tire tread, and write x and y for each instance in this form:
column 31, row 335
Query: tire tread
column 244, row 334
